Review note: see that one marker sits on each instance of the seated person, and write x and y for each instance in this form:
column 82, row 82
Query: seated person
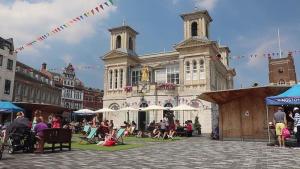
column 133, row 126
column 151, row 126
column 189, row 128
column 156, row 132
column 38, row 129
column 103, row 130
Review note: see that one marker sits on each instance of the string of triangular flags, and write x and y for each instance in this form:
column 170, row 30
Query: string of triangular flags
column 68, row 24
column 265, row 55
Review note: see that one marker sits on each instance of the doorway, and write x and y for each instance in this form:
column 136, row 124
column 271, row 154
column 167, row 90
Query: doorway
column 142, row 120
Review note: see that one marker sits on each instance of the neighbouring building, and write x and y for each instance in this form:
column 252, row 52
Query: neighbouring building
column 32, row 86
column 92, row 99
column 282, row 71
column 7, row 68
column 197, row 64
column 72, row 88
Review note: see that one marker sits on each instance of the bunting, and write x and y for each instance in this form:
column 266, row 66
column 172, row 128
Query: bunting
column 67, row 24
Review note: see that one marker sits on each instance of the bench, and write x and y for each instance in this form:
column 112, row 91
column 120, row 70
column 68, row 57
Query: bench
column 58, row 136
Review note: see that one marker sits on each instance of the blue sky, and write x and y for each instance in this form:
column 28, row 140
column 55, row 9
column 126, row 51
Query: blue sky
column 247, row 27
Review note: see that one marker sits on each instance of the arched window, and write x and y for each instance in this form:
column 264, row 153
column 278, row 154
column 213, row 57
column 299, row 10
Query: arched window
column 187, row 71
column 110, row 79
column 194, row 70
column 130, row 44
column 194, row 29
column 121, row 78
column 114, row 106
column 116, row 79
column 202, row 69
column 118, row 42
column 281, row 82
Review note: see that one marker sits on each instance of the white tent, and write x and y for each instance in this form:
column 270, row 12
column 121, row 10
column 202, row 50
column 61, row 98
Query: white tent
column 183, row 108
column 154, row 108
column 104, row 110
column 84, row 111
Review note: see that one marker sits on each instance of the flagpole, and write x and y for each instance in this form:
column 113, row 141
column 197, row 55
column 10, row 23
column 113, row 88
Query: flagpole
column 279, row 45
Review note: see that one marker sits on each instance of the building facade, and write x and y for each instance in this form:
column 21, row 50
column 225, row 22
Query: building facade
column 7, row 68
column 282, row 71
column 32, row 86
column 92, row 99
column 168, row 79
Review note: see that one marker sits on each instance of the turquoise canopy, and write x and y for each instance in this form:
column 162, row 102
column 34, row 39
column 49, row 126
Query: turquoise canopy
column 8, row 107
column 289, row 97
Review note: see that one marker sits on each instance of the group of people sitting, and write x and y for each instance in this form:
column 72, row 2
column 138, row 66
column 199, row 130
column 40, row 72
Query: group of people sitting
column 37, row 125
column 165, row 129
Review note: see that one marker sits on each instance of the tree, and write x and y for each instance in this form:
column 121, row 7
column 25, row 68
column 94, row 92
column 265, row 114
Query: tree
column 197, row 125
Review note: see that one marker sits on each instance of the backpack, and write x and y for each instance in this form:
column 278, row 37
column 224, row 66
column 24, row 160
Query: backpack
column 286, row 133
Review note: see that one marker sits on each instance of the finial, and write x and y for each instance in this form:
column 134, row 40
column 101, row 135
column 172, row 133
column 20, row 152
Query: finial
column 123, row 22
column 196, row 8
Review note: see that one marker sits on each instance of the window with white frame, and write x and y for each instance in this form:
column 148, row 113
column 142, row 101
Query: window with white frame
column 194, row 70
column 116, row 79
column 187, row 71
column 110, row 79
column 160, row 76
column 202, row 69
column 173, row 74
column 121, row 78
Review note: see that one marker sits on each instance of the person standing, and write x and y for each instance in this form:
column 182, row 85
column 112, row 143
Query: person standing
column 280, row 122
column 296, row 119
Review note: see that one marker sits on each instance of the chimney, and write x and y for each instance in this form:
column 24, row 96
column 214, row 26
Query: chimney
column 44, row 66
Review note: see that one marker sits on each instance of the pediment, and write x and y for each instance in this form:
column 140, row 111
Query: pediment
column 193, row 42
column 114, row 54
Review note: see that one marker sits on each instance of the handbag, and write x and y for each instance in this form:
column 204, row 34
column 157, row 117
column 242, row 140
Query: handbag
column 295, row 129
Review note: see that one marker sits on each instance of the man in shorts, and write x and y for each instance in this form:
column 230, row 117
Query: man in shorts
column 280, row 122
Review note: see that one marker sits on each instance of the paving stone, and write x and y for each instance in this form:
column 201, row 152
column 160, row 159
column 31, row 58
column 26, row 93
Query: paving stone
column 196, row 152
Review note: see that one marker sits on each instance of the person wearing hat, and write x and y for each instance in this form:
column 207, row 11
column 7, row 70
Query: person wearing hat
column 296, row 119
column 280, row 122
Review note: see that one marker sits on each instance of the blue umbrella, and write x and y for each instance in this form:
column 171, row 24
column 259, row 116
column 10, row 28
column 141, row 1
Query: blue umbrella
column 8, row 107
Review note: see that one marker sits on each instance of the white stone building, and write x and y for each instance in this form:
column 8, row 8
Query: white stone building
column 7, row 68
column 196, row 65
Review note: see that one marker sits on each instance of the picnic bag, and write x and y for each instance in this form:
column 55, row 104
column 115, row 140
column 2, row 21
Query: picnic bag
column 286, row 133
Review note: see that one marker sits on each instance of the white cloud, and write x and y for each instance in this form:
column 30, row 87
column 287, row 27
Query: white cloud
column 206, row 4
column 25, row 21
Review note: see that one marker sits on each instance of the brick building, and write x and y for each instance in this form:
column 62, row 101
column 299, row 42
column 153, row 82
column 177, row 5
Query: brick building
column 32, row 86
column 92, row 99
column 282, row 71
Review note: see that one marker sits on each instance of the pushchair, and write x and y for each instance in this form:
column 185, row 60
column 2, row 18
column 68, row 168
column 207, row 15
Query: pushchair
column 19, row 136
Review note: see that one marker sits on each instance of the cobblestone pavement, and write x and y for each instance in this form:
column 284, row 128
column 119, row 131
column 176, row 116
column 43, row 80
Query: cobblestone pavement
column 197, row 152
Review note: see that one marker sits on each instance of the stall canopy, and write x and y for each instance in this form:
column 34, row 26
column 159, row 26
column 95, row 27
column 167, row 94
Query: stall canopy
column 8, row 107
column 289, row 97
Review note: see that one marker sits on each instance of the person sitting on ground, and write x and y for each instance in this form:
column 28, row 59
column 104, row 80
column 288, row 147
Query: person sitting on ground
column 151, row 126
column 156, row 132
column 38, row 129
column 163, row 128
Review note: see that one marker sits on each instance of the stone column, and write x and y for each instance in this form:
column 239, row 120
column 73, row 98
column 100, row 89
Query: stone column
column 181, row 73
